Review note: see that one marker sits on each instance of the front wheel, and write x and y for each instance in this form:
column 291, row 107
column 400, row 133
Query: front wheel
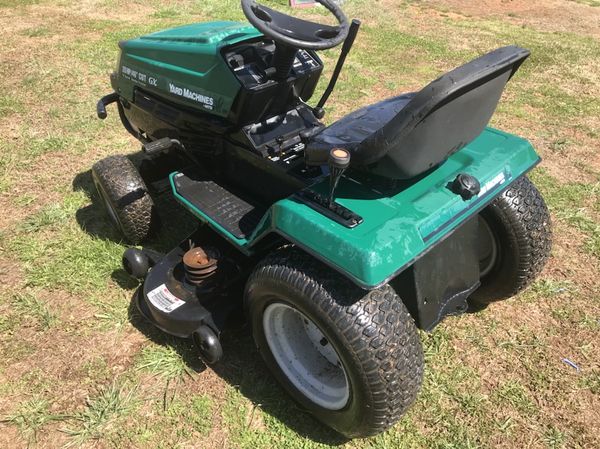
column 126, row 198
column 352, row 358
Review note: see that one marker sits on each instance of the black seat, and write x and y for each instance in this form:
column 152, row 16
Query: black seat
column 352, row 129
column 404, row 136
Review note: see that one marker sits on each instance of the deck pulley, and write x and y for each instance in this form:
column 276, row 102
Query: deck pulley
column 200, row 264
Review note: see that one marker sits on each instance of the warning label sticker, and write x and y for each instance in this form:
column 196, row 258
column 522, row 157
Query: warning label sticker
column 164, row 300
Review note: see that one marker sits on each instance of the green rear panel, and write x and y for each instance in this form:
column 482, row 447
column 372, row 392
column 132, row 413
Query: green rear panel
column 396, row 229
column 184, row 64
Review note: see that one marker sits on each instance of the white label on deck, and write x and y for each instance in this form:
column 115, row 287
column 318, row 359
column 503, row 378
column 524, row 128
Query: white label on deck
column 164, row 300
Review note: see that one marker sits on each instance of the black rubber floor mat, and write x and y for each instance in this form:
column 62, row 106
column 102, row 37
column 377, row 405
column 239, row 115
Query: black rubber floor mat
column 231, row 212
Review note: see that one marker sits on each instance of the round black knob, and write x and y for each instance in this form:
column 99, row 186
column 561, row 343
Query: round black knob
column 466, row 186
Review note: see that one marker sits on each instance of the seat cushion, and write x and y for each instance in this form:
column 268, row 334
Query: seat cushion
column 350, row 131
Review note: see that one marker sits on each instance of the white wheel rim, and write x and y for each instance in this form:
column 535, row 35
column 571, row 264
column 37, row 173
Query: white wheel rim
column 488, row 248
column 305, row 356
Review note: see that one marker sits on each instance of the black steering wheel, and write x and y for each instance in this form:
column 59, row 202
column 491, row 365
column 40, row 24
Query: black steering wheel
column 298, row 33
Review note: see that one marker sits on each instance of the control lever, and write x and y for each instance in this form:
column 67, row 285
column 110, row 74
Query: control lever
column 339, row 160
column 346, row 47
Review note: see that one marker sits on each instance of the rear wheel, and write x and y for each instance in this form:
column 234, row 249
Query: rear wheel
column 125, row 197
column 351, row 357
column 515, row 239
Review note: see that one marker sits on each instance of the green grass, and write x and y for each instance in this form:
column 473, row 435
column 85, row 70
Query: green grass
column 103, row 415
column 163, row 361
column 7, row 162
column 591, row 382
column 56, row 252
column 593, row 3
column 9, row 105
column 576, row 203
column 166, row 13
column 31, row 416
column 40, row 31
column 29, row 305
column 112, row 314
column 554, row 438
column 516, row 396
column 50, row 216
column 17, row 3
column 550, row 287
column 37, row 147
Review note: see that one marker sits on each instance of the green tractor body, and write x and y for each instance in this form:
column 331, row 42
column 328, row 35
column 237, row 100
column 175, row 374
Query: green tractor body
column 187, row 66
column 399, row 228
column 338, row 241
column 210, row 88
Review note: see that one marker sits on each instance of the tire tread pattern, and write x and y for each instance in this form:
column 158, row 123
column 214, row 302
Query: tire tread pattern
column 375, row 326
column 523, row 214
column 129, row 196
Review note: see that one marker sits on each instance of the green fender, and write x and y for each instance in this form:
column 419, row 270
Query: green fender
column 396, row 229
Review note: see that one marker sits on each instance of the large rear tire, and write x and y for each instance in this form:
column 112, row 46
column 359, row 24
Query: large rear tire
column 351, row 357
column 515, row 242
column 126, row 198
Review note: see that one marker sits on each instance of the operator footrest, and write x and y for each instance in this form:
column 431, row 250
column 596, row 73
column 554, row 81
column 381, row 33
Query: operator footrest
column 223, row 207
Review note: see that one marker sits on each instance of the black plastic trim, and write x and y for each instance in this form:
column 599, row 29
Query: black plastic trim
column 335, row 211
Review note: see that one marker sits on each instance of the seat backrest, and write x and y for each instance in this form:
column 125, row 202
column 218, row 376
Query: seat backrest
column 440, row 119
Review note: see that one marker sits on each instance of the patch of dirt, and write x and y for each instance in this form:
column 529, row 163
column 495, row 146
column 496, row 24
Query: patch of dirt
column 10, row 437
column 548, row 15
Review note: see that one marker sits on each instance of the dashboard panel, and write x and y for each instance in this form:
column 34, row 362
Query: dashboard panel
column 252, row 63
column 262, row 95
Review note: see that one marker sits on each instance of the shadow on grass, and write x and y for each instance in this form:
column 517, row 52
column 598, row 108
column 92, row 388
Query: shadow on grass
column 183, row 347
column 93, row 219
column 241, row 365
column 242, row 368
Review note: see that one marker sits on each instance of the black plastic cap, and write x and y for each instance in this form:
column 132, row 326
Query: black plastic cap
column 466, row 186
column 319, row 113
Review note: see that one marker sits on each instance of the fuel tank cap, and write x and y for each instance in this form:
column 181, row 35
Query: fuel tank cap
column 465, row 185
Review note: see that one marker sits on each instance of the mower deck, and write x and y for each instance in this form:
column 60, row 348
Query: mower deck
column 179, row 307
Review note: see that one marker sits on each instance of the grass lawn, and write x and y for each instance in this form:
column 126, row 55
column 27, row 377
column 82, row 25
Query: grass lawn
column 79, row 368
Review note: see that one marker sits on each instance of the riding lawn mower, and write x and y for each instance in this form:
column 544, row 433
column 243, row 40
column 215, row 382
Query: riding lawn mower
column 338, row 242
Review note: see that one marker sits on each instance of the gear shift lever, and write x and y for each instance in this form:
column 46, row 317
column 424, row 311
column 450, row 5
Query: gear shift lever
column 338, row 162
